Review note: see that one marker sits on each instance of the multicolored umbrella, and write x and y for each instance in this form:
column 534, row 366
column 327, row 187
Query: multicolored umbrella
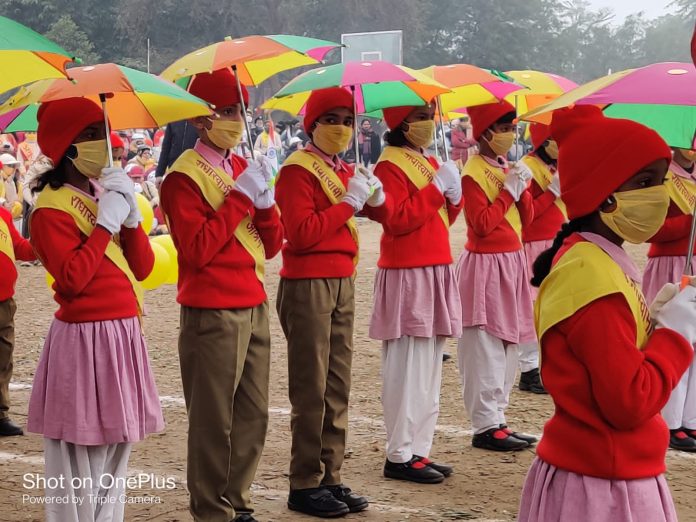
column 27, row 56
column 661, row 96
column 134, row 99
column 541, row 88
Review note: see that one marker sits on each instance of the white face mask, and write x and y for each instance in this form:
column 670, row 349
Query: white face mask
column 137, row 187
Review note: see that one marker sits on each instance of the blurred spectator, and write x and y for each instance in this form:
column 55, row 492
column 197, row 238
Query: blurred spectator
column 28, row 150
column 118, row 148
column 11, row 188
column 257, row 129
column 369, row 144
column 461, row 139
column 143, row 186
column 267, row 139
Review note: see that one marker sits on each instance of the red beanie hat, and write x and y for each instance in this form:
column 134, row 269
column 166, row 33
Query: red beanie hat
column 483, row 116
column 394, row 116
column 596, row 155
column 218, row 88
column 116, row 141
column 323, row 100
column 61, row 121
column 539, row 134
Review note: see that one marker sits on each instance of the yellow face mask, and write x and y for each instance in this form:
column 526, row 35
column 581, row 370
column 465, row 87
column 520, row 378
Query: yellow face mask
column 501, row 142
column 225, row 134
column 552, row 149
column 332, row 139
column 420, row 133
column 92, row 157
column 639, row 213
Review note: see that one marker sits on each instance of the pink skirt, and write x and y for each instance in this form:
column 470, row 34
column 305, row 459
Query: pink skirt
column 420, row 302
column 532, row 249
column 94, row 385
column 662, row 270
column 496, row 295
column 551, row 494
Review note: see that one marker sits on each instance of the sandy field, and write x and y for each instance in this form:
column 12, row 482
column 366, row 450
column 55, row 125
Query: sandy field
column 485, row 485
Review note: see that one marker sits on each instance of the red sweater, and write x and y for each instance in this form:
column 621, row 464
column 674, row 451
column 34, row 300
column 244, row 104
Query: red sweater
column 607, row 393
column 215, row 270
column 318, row 243
column 488, row 232
column 414, row 235
column 548, row 218
column 23, row 251
column 89, row 286
column 673, row 238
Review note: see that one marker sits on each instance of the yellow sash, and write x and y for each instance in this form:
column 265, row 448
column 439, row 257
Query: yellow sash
column 491, row 180
column 215, row 184
column 582, row 275
column 417, row 169
column 330, row 183
column 6, row 246
column 682, row 191
column 543, row 176
column 84, row 211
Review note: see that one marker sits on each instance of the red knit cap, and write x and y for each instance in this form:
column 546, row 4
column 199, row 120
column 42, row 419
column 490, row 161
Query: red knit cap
column 596, row 155
column 539, row 134
column 394, row 116
column 61, row 121
column 322, row 101
column 116, row 141
column 218, row 88
column 483, row 116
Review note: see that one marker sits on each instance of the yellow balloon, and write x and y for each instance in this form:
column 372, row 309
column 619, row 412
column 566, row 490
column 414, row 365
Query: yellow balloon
column 165, row 241
column 146, row 211
column 49, row 281
column 160, row 270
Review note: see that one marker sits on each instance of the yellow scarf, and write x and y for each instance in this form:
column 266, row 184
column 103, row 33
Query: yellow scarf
column 6, row 246
column 682, row 191
column 543, row 176
column 491, row 180
column 417, row 169
column 84, row 211
column 330, row 183
column 215, row 184
column 582, row 275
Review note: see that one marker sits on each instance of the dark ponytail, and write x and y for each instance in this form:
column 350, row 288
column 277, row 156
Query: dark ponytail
column 395, row 138
column 542, row 264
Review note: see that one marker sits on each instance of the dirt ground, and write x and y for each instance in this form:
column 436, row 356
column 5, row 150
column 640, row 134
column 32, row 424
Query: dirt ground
column 485, row 486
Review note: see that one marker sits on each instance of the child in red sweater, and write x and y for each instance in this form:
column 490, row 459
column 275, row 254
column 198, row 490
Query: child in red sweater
column 318, row 195
column 94, row 394
column 608, row 362
column 416, row 302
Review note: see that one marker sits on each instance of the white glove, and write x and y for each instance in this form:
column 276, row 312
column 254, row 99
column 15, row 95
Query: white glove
column 266, row 166
column 676, row 310
column 377, row 198
column 253, row 182
column 113, row 211
column 555, row 186
column 357, row 193
column 515, row 184
column 522, row 171
column 266, row 199
column 447, row 178
column 115, row 179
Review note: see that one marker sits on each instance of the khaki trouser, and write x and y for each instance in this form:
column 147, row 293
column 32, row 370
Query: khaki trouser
column 225, row 362
column 317, row 318
column 7, row 339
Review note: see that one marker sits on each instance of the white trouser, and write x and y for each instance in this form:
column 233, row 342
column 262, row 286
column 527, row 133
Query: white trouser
column 411, row 378
column 487, row 369
column 91, row 477
column 529, row 356
column 680, row 410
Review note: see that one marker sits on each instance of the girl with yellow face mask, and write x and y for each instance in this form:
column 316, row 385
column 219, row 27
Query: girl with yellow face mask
column 666, row 260
column 608, row 361
column 416, row 304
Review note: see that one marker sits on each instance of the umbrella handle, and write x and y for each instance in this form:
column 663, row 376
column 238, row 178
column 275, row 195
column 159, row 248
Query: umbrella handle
column 356, row 148
column 442, row 131
column 102, row 98
column 244, row 119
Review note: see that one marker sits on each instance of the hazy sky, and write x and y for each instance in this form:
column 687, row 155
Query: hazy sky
column 622, row 8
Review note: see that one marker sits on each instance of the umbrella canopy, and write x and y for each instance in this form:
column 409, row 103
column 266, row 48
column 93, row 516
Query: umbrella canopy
column 541, row 88
column 470, row 85
column 256, row 58
column 661, row 96
column 27, row 56
column 134, row 99
column 377, row 84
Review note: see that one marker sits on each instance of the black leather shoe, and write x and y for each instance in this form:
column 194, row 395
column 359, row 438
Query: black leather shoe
column 414, row 471
column 496, row 439
column 529, row 439
column 245, row 517
column 690, row 433
column 679, row 440
column 446, row 357
column 531, row 381
column 318, row 502
column 344, row 494
column 9, row 428
column 442, row 468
